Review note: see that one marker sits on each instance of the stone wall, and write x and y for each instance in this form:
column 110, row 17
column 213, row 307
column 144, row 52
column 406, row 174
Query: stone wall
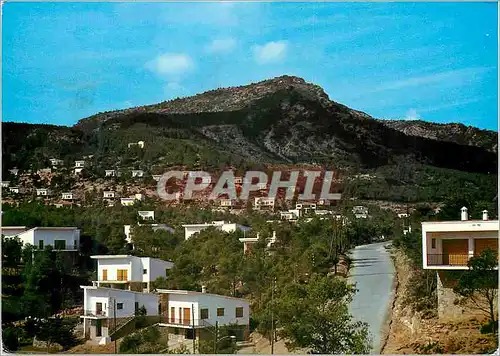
column 451, row 306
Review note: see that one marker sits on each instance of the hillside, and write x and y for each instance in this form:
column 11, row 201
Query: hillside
column 284, row 120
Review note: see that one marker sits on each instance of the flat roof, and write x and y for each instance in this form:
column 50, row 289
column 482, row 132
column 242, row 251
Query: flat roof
column 189, row 292
column 13, row 227
column 110, row 256
column 115, row 289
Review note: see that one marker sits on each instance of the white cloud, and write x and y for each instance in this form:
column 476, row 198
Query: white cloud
column 169, row 64
column 270, row 52
column 412, row 115
column 221, row 45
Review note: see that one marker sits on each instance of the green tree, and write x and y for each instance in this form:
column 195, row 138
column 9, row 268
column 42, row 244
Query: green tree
column 479, row 283
column 315, row 315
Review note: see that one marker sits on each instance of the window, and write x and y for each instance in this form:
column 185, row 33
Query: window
column 104, row 274
column 433, row 243
column 204, row 313
column 220, row 311
column 59, row 244
column 40, row 244
column 119, row 306
column 122, row 274
column 144, row 271
column 239, row 312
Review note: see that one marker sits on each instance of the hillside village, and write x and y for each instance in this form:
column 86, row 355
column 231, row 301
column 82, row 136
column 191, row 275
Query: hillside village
column 95, row 261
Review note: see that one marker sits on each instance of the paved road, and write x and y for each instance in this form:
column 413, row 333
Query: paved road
column 373, row 273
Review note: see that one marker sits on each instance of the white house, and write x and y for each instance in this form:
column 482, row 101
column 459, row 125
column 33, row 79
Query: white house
column 248, row 242
column 60, row 238
column 183, row 310
column 128, row 233
column 157, row 177
column 102, row 307
column 56, row 162
column 227, row 203
column 67, row 196
column 5, row 183
column 262, row 186
column 264, row 203
column 238, row 180
column 138, row 173
column 109, row 194
column 110, row 173
column 402, row 215
column 14, row 171
column 80, row 164
column 191, row 229
column 360, row 212
column 448, row 245
column 290, row 215
column 129, row 272
column 324, row 202
column 42, row 192
column 146, row 215
column 127, row 201
column 138, row 143
column 306, row 206
column 17, row 190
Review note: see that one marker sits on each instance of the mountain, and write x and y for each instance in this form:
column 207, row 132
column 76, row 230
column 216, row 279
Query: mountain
column 283, row 120
column 455, row 132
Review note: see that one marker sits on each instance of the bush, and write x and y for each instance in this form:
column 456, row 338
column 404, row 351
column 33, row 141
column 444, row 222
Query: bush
column 10, row 339
column 490, row 327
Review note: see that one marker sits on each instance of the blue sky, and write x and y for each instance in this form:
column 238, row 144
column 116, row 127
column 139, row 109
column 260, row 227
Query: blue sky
column 434, row 61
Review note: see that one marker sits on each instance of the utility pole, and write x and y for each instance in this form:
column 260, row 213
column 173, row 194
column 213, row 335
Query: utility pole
column 216, row 336
column 114, row 318
column 194, row 330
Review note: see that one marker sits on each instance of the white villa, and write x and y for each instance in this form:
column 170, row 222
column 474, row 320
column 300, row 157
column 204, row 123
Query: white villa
column 79, row 166
column 109, row 194
column 110, row 173
column 157, row 177
column 14, row 171
column 264, row 203
column 227, row 203
column 191, row 229
column 360, row 212
column 60, row 238
column 103, row 306
column 5, row 183
column 67, row 196
column 138, row 143
column 138, row 173
column 182, row 311
column 448, row 245
column 42, row 192
column 305, row 206
column 146, row 215
column 129, row 272
column 56, row 162
column 248, row 242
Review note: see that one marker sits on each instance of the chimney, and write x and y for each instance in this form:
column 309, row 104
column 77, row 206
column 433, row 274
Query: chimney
column 203, row 289
column 485, row 214
column 464, row 215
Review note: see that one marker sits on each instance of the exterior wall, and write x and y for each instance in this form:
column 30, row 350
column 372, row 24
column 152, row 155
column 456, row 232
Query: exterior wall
column 449, row 306
column 34, row 236
column 210, row 302
column 155, row 268
column 191, row 230
column 112, row 266
column 128, row 298
column 439, row 236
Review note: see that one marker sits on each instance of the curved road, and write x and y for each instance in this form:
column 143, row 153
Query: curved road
column 373, row 273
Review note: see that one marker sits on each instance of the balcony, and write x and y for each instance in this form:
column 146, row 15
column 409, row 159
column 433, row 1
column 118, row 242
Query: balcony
column 177, row 322
column 95, row 313
column 459, row 260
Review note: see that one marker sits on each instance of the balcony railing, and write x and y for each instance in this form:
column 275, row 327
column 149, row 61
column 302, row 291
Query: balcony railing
column 185, row 322
column 447, row 259
column 94, row 313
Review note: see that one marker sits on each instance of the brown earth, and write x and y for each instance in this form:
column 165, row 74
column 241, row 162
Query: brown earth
column 410, row 333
